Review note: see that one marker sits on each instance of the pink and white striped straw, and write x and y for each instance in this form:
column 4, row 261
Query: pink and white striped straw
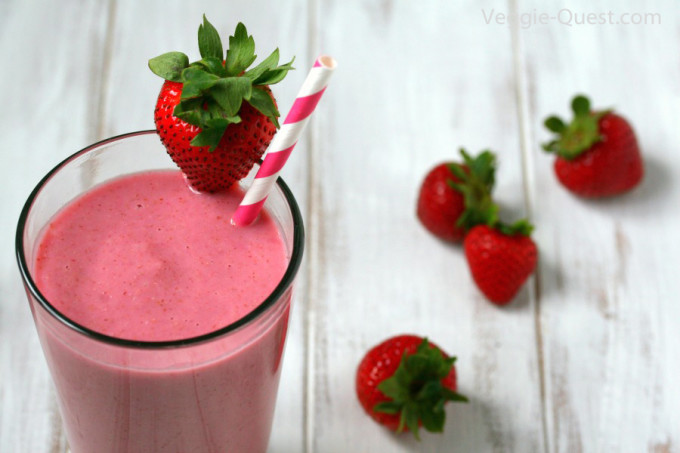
column 285, row 140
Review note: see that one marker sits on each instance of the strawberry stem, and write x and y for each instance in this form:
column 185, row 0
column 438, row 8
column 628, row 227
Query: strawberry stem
column 476, row 178
column 522, row 227
column 572, row 139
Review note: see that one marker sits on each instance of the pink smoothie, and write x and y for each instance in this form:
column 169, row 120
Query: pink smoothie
column 144, row 258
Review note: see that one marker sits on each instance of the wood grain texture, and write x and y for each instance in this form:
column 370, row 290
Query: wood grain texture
column 586, row 358
column 45, row 117
column 416, row 82
column 608, row 276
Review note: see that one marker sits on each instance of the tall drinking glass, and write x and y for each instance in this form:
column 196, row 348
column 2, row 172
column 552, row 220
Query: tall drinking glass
column 212, row 393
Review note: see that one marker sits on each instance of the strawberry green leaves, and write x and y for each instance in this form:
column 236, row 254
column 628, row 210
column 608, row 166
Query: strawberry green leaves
column 209, row 42
column 576, row 137
column 230, row 92
column 580, row 105
column 196, row 82
column 477, row 178
column 169, row 65
column 269, row 72
column 555, row 124
column 416, row 391
column 521, row 227
column 213, row 103
column 213, row 131
column 241, row 52
column 263, row 102
column 215, row 87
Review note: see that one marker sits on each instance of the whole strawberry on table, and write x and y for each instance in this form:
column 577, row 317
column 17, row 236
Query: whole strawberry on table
column 216, row 116
column 597, row 153
column 455, row 195
column 501, row 258
column 404, row 382
column 455, row 203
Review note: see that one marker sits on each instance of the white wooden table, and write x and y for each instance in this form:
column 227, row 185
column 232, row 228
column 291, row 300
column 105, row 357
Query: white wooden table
column 588, row 356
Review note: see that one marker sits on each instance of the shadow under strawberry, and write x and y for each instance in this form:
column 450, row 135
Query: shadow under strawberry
column 651, row 198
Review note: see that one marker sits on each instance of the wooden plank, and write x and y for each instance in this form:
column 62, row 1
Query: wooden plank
column 415, row 82
column 87, row 72
column 144, row 30
column 51, row 76
column 608, row 275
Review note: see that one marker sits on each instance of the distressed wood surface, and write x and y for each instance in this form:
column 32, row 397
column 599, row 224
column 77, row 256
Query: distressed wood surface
column 587, row 357
column 608, row 282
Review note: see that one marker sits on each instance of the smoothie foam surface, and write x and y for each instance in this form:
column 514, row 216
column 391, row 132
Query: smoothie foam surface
column 142, row 257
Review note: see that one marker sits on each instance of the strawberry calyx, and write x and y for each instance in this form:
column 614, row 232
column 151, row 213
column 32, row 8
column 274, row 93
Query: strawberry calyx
column 579, row 135
column 476, row 178
column 521, row 227
column 416, row 391
column 215, row 86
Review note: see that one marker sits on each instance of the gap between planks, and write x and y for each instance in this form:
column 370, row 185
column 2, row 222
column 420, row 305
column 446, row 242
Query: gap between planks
column 529, row 191
column 107, row 55
column 313, row 232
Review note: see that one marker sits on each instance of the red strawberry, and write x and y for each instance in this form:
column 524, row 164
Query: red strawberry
column 500, row 259
column 597, row 154
column 453, row 195
column 403, row 383
column 239, row 148
column 215, row 116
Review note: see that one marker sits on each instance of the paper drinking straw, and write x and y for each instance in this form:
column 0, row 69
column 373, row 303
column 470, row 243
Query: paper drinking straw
column 284, row 141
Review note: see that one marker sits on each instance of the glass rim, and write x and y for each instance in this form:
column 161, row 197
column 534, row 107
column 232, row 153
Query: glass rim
column 284, row 284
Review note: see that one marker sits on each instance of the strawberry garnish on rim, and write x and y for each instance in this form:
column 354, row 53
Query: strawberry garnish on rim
column 216, row 116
